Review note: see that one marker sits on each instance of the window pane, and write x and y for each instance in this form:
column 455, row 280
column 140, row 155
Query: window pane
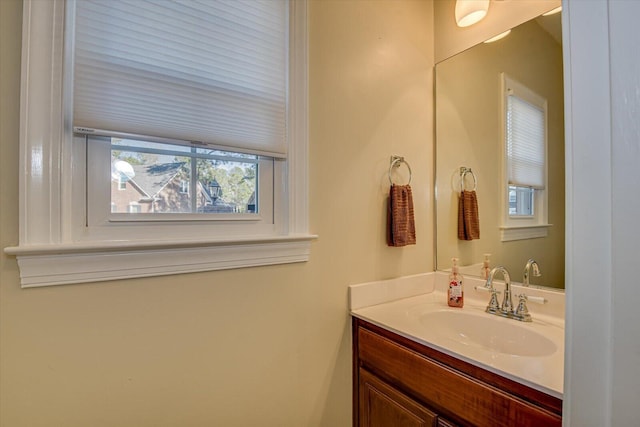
column 227, row 186
column 149, row 183
column 521, row 201
column 157, row 178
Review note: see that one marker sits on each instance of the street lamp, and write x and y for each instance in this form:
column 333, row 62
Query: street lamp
column 214, row 190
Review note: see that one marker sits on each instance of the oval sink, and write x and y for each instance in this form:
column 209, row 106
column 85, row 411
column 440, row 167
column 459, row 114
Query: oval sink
column 490, row 332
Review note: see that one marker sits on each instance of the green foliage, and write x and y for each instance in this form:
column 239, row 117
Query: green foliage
column 134, row 158
column 237, row 182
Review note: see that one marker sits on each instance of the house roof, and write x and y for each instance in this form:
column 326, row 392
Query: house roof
column 151, row 179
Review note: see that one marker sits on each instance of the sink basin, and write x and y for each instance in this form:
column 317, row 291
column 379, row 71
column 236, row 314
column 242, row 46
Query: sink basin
column 489, row 332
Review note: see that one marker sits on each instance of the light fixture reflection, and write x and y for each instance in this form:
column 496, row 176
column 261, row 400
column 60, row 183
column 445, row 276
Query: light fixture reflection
column 498, row 37
column 553, row 11
column 469, row 12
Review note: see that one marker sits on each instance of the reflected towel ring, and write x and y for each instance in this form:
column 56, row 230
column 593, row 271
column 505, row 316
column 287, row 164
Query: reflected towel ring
column 396, row 161
column 463, row 172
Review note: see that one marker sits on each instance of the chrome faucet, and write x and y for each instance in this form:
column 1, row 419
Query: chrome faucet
column 507, row 304
column 522, row 311
column 531, row 264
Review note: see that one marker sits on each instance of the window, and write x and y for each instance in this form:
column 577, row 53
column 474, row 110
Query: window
column 227, row 91
column 521, row 201
column 122, row 182
column 525, row 136
column 226, row 184
column 184, row 186
column 134, row 207
column 222, row 110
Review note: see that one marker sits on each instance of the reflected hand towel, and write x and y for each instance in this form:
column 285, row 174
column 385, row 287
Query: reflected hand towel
column 401, row 230
column 468, row 218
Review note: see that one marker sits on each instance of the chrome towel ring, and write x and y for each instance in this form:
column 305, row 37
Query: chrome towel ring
column 463, row 173
column 396, row 161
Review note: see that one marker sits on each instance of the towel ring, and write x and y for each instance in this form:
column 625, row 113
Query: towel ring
column 463, row 172
column 396, row 161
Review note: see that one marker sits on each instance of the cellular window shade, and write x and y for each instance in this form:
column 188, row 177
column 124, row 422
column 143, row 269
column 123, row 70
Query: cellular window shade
column 525, row 143
column 211, row 71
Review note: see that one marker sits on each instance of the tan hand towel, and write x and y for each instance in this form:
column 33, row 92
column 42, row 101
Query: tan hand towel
column 401, row 230
column 468, row 218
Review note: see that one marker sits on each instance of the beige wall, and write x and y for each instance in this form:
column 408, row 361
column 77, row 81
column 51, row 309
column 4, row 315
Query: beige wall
column 469, row 134
column 261, row 346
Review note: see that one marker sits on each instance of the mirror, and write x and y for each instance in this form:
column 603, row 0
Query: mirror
column 469, row 133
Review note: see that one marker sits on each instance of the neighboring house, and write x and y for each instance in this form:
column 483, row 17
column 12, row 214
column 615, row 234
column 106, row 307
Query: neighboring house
column 251, row 204
column 162, row 188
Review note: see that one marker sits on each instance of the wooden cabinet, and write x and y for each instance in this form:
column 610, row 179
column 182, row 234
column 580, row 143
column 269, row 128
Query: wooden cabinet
column 398, row 382
column 382, row 405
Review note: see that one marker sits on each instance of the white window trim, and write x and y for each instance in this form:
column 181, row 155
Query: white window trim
column 527, row 227
column 510, row 233
column 47, row 252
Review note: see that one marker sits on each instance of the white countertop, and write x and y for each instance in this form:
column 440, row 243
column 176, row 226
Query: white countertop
column 400, row 305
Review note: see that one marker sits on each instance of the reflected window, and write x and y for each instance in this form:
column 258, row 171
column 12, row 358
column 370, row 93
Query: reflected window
column 525, row 121
column 521, row 201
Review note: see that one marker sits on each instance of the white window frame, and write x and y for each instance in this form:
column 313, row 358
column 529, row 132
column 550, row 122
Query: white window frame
column 521, row 227
column 52, row 249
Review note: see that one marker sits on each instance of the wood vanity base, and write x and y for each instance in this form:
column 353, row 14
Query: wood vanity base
column 399, row 382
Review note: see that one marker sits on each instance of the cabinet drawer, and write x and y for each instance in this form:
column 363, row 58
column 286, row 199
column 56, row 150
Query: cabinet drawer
column 458, row 396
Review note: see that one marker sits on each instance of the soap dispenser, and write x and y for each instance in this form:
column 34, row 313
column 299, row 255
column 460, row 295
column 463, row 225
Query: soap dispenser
column 455, row 294
column 486, row 268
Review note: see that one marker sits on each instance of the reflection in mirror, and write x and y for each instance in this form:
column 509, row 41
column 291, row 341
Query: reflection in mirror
column 470, row 132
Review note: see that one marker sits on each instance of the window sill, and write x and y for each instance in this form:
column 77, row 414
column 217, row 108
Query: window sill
column 523, row 232
column 48, row 265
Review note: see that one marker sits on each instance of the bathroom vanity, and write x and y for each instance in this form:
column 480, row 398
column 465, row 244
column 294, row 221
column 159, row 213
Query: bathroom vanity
column 411, row 367
column 400, row 382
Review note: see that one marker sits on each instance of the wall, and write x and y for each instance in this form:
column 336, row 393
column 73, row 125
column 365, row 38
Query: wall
column 602, row 354
column 625, row 235
column 469, row 133
column 262, row 346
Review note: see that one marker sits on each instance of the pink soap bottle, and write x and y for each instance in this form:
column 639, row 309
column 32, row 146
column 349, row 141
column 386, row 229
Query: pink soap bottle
column 455, row 293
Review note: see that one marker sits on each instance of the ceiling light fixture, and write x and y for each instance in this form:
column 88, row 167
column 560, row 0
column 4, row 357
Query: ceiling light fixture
column 469, row 12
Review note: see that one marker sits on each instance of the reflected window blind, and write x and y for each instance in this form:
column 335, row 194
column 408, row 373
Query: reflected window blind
column 212, row 71
column 525, row 143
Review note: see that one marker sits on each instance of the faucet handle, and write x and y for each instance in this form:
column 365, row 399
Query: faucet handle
column 485, row 289
column 494, row 306
column 522, row 312
column 537, row 300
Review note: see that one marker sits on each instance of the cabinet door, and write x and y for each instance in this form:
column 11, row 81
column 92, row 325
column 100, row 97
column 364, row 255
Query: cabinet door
column 383, row 406
column 444, row 423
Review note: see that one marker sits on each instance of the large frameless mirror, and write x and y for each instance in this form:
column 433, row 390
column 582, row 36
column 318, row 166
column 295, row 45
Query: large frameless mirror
column 491, row 100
